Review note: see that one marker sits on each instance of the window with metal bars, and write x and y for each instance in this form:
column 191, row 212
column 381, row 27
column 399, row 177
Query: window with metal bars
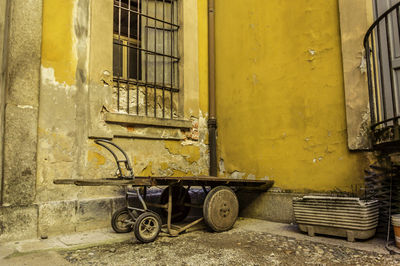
column 146, row 57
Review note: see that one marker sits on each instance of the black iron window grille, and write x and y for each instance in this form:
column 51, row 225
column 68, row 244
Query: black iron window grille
column 382, row 46
column 146, row 57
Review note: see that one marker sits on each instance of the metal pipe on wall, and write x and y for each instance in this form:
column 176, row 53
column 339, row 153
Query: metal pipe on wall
column 4, row 15
column 212, row 120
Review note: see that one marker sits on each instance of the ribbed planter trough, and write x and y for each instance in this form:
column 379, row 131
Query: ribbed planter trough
column 337, row 216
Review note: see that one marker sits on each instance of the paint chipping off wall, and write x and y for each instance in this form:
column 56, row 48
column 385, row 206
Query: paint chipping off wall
column 186, row 157
column 355, row 18
column 75, row 97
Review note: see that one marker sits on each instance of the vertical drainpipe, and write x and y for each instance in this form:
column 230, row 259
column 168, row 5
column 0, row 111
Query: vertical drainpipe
column 5, row 5
column 212, row 120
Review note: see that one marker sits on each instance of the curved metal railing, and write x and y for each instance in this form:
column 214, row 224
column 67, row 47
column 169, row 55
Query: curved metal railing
column 127, row 172
column 382, row 48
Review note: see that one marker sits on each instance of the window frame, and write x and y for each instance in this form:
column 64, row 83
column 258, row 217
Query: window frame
column 102, row 121
column 144, row 93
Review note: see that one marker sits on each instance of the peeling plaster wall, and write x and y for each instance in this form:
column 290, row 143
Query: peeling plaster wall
column 355, row 18
column 73, row 78
column 75, row 93
column 64, row 148
column 280, row 96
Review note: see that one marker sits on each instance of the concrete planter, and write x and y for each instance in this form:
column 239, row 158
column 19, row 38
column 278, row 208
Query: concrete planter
column 337, row 216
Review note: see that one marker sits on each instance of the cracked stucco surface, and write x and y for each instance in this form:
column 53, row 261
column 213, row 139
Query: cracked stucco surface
column 66, row 119
column 355, row 18
column 75, row 93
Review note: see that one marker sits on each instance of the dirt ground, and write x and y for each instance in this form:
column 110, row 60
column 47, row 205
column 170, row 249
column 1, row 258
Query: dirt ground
column 243, row 245
column 230, row 248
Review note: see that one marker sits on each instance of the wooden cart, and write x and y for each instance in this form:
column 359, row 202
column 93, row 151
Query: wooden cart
column 220, row 206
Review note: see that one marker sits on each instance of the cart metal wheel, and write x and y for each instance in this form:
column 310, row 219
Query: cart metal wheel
column 147, row 227
column 180, row 196
column 221, row 209
column 122, row 221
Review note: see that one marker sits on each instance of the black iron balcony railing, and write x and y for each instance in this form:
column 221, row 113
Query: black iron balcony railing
column 382, row 47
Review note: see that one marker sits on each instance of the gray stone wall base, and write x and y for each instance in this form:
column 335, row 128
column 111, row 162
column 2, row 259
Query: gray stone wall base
column 18, row 223
column 56, row 218
column 19, row 163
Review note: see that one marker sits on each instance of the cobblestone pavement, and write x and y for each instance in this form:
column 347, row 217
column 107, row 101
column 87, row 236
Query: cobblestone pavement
column 236, row 247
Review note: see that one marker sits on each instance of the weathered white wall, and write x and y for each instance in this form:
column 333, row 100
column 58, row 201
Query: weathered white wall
column 355, row 18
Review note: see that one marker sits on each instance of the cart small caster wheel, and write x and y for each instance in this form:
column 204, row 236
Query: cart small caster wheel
column 121, row 221
column 221, row 209
column 147, row 227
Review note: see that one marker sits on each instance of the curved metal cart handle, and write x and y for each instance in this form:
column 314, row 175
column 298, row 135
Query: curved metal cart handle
column 127, row 163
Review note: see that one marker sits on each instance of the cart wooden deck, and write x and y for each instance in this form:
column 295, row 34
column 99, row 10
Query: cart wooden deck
column 166, row 181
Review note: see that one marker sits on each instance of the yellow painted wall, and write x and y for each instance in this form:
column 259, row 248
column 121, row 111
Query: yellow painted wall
column 57, row 44
column 280, row 96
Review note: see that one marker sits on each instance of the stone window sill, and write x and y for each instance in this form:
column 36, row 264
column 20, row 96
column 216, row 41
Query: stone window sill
column 126, row 119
